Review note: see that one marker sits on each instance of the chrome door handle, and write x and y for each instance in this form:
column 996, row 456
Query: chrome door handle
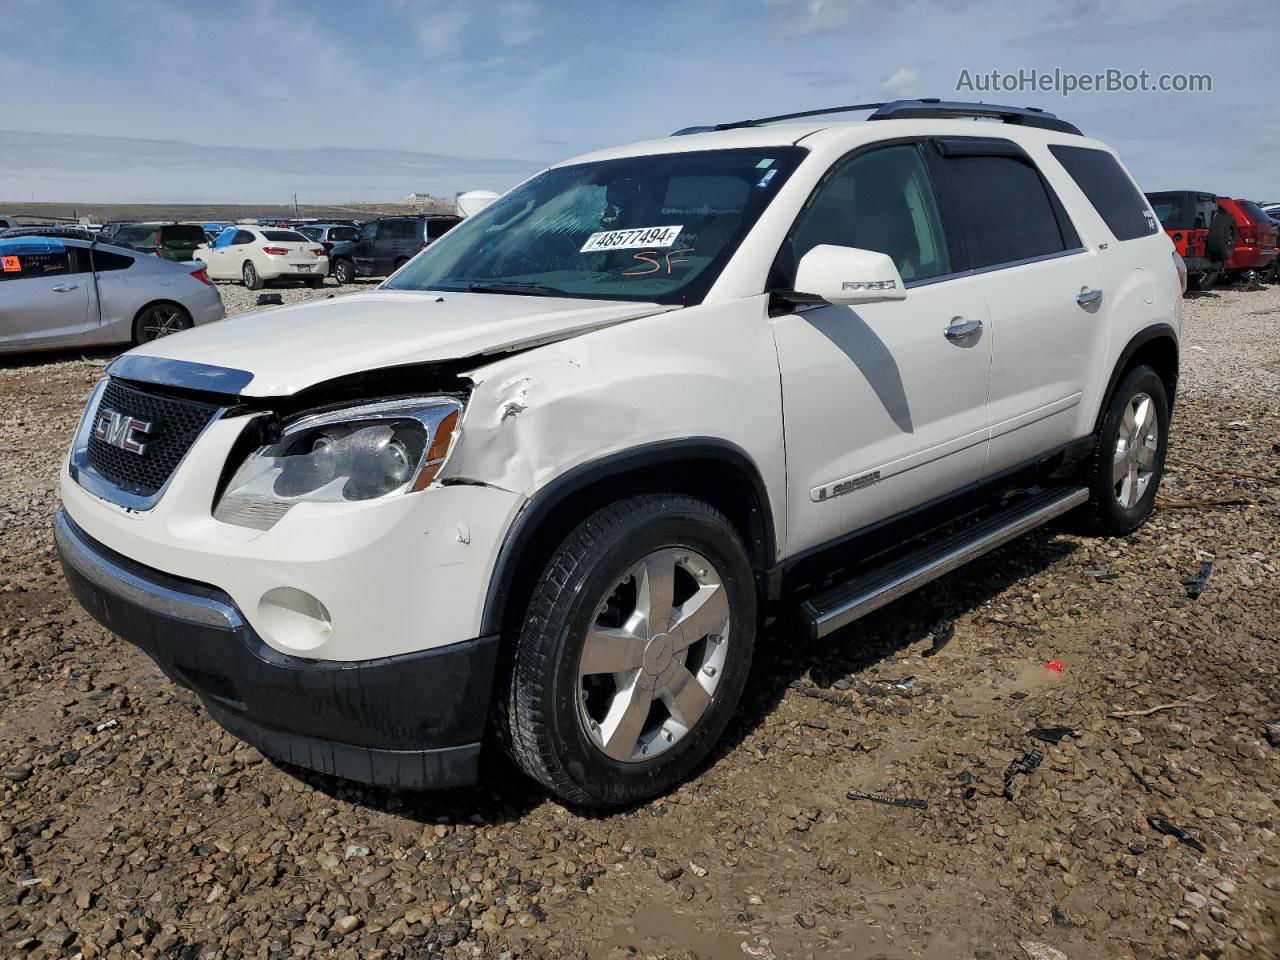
column 960, row 329
column 66, row 287
column 1087, row 298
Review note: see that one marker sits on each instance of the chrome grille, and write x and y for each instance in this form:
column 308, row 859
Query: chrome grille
column 175, row 424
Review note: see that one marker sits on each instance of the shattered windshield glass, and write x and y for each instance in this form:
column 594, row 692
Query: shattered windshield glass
column 656, row 228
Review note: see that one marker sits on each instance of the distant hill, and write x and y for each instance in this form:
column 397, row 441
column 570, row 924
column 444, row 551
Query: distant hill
column 90, row 169
column 28, row 212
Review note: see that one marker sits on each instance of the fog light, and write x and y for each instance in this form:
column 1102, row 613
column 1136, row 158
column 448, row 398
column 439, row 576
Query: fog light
column 294, row 618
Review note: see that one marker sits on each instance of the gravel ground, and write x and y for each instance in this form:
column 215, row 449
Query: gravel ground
column 131, row 825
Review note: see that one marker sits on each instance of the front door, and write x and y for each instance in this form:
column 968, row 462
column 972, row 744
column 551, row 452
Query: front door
column 884, row 404
column 42, row 296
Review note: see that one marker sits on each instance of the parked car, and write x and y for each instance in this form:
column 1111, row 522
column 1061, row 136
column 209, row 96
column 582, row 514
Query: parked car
column 1203, row 234
column 327, row 234
column 1256, row 248
column 172, row 241
column 255, row 255
column 384, row 246
column 540, row 482
column 8, row 223
column 68, row 291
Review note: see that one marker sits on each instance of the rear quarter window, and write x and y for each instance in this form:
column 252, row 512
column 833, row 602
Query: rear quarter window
column 1103, row 181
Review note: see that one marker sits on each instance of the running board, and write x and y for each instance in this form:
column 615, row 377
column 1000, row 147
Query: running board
column 839, row 606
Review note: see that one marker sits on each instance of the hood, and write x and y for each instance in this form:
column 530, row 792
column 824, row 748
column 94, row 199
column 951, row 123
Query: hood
column 281, row 351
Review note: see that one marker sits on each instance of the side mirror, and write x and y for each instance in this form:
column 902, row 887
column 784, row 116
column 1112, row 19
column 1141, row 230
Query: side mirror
column 848, row 275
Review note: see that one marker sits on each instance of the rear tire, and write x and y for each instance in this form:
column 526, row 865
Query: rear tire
column 160, row 320
column 249, row 274
column 602, row 709
column 1204, row 281
column 344, row 272
column 1128, row 460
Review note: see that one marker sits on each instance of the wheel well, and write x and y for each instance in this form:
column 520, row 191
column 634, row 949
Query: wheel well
column 722, row 477
column 1156, row 347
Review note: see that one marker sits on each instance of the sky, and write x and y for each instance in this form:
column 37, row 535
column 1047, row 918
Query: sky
column 251, row 100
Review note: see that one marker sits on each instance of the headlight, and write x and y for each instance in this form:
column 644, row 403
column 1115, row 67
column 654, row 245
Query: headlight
column 360, row 453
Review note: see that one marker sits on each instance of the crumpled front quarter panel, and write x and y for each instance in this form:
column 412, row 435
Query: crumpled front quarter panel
column 706, row 371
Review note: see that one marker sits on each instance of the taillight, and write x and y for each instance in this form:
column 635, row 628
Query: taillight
column 202, row 275
column 1181, row 267
column 276, row 251
column 1177, row 238
column 318, row 251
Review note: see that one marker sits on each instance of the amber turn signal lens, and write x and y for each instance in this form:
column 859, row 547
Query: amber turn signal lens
column 437, row 452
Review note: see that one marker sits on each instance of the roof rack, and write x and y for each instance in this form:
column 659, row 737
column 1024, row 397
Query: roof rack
column 924, row 108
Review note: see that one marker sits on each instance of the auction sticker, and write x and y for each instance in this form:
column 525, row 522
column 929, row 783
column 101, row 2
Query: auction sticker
column 632, row 239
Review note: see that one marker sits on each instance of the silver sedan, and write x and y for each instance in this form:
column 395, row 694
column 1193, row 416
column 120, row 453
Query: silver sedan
column 58, row 291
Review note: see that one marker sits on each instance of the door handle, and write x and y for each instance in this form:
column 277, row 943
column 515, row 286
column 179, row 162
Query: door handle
column 66, row 287
column 1087, row 298
column 961, row 329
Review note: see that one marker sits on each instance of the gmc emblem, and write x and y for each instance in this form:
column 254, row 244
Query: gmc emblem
column 121, row 430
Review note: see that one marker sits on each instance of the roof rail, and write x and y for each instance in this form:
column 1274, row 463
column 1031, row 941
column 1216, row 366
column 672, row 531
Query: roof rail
column 932, row 108
column 925, row 108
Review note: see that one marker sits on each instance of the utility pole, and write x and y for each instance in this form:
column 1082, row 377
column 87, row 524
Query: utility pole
column 295, row 206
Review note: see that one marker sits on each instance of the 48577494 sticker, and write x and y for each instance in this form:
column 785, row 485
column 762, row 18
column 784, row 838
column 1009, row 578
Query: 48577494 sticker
column 632, row 239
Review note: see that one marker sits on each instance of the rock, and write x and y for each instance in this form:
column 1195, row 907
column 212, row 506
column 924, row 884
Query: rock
column 356, row 850
column 1195, row 900
column 347, row 924
column 18, row 774
column 668, row 870
column 1041, row 951
column 371, row 877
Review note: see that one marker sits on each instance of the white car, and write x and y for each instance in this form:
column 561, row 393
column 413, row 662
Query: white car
column 59, row 291
column 548, row 480
column 255, row 255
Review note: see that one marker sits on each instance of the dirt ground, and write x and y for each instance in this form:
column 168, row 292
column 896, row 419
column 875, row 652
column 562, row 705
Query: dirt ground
column 131, row 825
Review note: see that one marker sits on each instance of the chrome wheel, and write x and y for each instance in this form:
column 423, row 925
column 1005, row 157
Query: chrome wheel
column 160, row 321
column 1137, row 446
column 653, row 655
column 249, row 275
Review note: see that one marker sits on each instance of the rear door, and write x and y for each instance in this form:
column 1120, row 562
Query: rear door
column 363, row 252
column 43, row 296
column 1043, row 290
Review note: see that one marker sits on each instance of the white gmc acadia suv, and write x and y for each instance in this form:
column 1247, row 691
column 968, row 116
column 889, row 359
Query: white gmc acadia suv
column 544, row 485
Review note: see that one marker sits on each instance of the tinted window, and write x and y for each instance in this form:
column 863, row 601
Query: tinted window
column 22, row 258
column 438, row 228
column 242, row 237
column 338, row 234
column 1109, row 189
column 370, row 230
column 880, row 201
column 1005, row 209
column 284, row 236
column 106, row 260
column 402, row 229
column 139, row 236
column 1253, row 211
column 182, row 233
column 311, row 233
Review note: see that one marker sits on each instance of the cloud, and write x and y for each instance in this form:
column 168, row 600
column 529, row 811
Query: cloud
column 811, row 16
column 445, row 26
column 902, row 84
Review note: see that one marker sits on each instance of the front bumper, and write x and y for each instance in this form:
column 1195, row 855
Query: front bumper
column 412, row 720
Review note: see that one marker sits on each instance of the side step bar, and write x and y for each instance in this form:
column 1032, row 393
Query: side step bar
column 839, row 606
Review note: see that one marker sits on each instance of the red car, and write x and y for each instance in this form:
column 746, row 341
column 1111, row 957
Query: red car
column 1203, row 235
column 1255, row 238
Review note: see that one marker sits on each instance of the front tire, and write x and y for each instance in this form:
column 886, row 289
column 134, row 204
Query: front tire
column 344, row 272
column 1128, row 460
column 634, row 651
column 249, row 274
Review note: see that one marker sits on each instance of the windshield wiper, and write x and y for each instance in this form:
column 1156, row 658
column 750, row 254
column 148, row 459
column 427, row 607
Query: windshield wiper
column 528, row 289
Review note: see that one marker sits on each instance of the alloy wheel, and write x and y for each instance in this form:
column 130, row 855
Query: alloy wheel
column 1137, row 447
column 160, row 321
column 653, row 655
